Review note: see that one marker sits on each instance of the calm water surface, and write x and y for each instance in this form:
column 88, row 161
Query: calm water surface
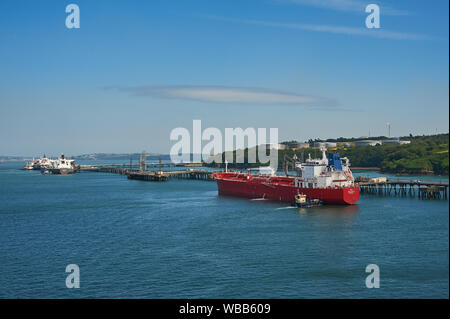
column 134, row 239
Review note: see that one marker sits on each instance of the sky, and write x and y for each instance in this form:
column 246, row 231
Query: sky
column 136, row 70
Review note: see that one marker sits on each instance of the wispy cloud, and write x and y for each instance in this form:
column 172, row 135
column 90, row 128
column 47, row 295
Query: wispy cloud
column 376, row 33
column 225, row 94
column 345, row 5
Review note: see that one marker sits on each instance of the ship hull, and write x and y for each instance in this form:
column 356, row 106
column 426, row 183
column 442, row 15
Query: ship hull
column 61, row 171
column 286, row 193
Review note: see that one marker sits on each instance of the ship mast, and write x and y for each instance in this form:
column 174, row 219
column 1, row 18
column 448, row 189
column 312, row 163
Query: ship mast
column 290, row 160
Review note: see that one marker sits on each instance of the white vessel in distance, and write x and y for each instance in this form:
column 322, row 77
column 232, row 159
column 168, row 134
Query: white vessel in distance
column 62, row 166
column 43, row 162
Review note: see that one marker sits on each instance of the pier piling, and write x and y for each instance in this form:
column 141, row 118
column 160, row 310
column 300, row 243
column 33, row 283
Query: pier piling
column 403, row 188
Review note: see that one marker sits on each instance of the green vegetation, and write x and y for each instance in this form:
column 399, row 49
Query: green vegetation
column 424, row 155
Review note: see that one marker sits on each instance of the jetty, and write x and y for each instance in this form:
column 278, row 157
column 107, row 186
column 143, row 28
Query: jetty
column 162, row 176
column 114, row 168
column 150, row 175
column 421, row 189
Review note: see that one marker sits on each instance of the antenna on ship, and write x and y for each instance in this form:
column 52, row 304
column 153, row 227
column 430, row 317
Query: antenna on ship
column 142, row 166
column 324, row 155
column 286, row 169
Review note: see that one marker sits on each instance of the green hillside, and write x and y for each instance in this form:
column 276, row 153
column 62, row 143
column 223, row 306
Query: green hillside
column 424, row 155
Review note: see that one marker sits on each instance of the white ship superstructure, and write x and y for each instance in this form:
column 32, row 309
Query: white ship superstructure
column 62, row 166
column 62, row 163
column 325, row 172
column 44, row 162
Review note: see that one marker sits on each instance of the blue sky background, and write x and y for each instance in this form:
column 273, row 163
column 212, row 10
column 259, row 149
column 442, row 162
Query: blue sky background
column 137, row 69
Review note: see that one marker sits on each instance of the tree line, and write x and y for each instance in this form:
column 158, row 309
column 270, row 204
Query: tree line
column 424, row 155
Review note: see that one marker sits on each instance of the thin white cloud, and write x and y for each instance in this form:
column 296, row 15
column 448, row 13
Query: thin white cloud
column 346, row 5
column 224, row 94
column 376, row 33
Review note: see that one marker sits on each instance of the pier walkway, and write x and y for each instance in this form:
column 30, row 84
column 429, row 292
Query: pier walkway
column 423, row 189
column 150, row 175
column 161, row 176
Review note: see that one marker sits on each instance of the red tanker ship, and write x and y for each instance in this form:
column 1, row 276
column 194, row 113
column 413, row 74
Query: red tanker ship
column 328, row 179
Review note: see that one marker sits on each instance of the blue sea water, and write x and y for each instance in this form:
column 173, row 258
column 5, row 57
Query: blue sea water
column 179, row 239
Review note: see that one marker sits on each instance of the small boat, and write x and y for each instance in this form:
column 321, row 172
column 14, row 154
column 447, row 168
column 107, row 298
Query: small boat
column 28, row 166
column 301, row 200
